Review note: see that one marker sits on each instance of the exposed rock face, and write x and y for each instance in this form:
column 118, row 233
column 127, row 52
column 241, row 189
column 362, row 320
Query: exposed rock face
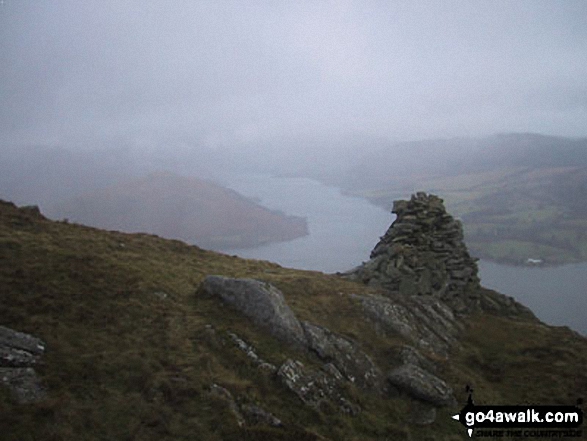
column 427, row 322
column 354, row 364
column 18, row 353
column 423, row 253
column 251, row 353
column 18, row 349
column 316, row 387
column 257, row 415
column 245, row 414
column 344, row 360
column 260, row 301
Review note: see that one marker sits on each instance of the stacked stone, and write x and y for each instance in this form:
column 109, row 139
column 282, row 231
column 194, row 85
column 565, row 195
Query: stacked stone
column 423, row 253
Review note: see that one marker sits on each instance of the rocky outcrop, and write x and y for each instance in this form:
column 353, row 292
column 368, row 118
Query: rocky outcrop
column 261, row 302
column 18, row 349
column 245, row 414
column 257, row 415
column 251, row 353
column 315, row 387
column 423, row 253
column 343, row 358
column 356, row 366
column 19, row 352
column 425, row 321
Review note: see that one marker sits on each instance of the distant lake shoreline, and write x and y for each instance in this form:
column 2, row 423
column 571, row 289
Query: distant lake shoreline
column 344, row 229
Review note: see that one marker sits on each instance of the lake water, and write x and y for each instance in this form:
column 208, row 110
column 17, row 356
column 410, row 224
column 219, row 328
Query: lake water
column 343, row 231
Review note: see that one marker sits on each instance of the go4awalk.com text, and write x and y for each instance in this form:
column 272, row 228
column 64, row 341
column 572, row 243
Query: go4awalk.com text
column 526, row 421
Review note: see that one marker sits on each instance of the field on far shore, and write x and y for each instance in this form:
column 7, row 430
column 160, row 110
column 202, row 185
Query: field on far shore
column 510, row 215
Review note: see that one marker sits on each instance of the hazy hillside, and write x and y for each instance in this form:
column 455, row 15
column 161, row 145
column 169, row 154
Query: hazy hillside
column 411, row 161
column 44, row 175
column 176, row 207
column 519, row 196
column 134, row 350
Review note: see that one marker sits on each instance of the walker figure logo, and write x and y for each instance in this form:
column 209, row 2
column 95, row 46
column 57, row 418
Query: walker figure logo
column 538, row 421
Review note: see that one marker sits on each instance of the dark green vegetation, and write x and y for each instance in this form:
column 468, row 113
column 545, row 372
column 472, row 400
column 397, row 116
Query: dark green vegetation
column 188, row 209
column 520, row 196
column 125, row 362
column 513, row 214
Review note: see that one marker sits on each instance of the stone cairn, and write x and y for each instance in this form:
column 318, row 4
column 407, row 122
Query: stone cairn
column 423, row 253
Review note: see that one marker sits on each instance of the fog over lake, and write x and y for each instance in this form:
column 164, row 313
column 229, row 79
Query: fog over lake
column 343, row 230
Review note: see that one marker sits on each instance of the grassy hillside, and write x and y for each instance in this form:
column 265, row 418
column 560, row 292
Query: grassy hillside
column 188, row 209
column 132, row 350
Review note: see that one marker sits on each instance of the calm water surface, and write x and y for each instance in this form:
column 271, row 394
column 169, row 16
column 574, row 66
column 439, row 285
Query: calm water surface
column 343, row 230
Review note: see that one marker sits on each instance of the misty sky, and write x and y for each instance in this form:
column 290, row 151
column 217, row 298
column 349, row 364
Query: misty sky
column 223, row 72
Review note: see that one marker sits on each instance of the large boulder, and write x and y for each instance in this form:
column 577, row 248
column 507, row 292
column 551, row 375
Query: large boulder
column 422, row 385
column 261, row 302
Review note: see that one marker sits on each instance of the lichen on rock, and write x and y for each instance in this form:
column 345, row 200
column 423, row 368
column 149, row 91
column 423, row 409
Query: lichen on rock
column 356, row 366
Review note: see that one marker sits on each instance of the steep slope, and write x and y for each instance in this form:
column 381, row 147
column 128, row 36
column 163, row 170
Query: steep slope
column 176, row 207
column 135, row 349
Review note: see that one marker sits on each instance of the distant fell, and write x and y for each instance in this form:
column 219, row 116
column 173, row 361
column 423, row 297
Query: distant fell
column 190, row 209
column 451, row 157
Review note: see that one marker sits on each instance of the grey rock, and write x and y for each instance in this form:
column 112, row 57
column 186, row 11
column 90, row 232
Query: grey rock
column 345, row 355
column 257, row 415
column 260, row 301
column 246, row 348
column 267, row 367
column 315, row 388
column 251, row 353
column 424, row 321
column 409, row 355
column 23, row 383
column 422, row 385
column 18, row 353
column 293, row 375
column 226, row 396
column 333, row 370
column 18, row 349
column 246, row 413
column 500, row 304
